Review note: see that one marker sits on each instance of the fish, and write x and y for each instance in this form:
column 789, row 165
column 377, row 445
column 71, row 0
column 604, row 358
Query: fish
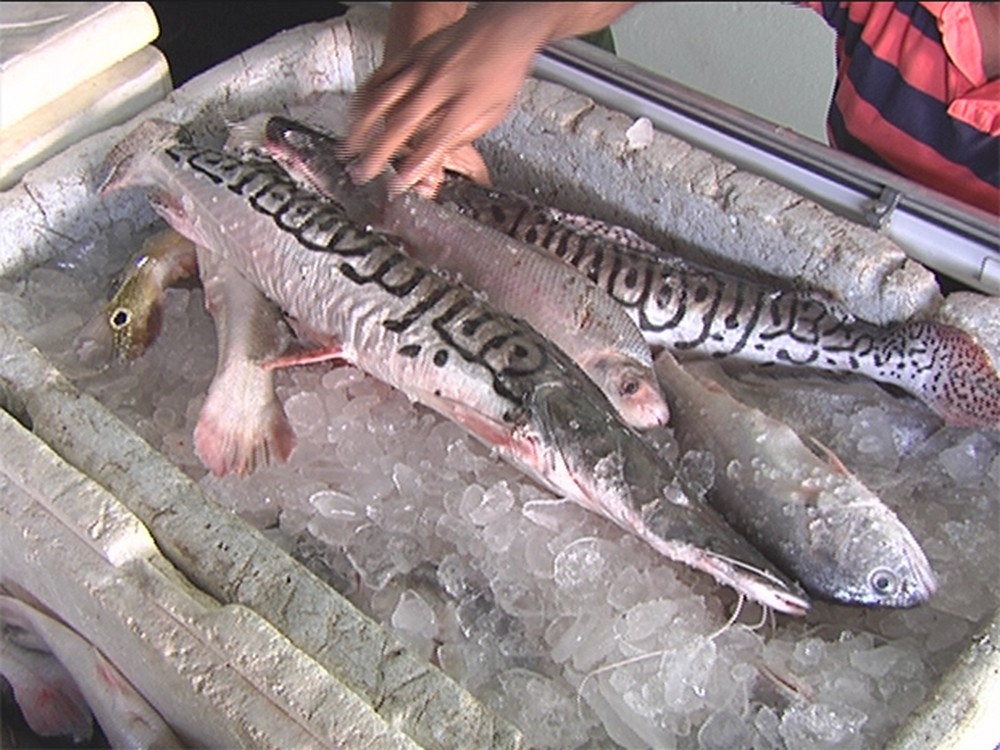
column 437, row 342
column 793, row 498
column 242, row 425
column 61, row 681
column 698, row 312
column 131, row 321
column 576, row 315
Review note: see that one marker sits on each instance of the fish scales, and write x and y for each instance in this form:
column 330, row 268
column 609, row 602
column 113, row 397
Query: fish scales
column 411, row 293
column 691, row 309
column 438, row 343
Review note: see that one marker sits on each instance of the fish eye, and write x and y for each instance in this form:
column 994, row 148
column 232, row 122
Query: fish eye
column 884, row 582
column 629, row 388
column 120, row 318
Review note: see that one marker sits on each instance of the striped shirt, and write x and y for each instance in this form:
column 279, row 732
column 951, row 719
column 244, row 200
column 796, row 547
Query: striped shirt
column 911, row 95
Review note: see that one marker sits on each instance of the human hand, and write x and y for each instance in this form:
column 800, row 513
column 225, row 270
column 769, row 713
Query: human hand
column 431, row 101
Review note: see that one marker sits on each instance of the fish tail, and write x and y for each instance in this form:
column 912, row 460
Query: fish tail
column 122, row 162
column 242, row 426
column 946, row 368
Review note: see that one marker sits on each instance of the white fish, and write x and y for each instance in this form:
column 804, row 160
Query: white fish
column 576, row 315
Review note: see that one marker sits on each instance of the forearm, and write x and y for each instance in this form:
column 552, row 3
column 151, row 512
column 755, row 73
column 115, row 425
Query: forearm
column 411, row 22
column 539, row 23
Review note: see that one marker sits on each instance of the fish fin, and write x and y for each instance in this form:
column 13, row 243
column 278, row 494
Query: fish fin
column 242, row 426
column 44, row 690
column 488, row 430
column 301, row 354
column 964, row 388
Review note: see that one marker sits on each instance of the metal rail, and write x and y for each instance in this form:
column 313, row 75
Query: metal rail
column 956, row 240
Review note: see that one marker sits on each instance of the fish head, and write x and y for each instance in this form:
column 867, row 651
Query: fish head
column 632, row 388
column 608, row 468
column 122, row 167
column 868, row 556
column 125, row 327
column 311, row 158
column 308, row 155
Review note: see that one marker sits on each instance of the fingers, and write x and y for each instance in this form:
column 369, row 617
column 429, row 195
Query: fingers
column 465, row 160
column 385, row 123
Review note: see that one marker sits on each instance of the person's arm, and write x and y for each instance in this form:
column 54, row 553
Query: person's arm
column 455, row 84
column 411, row 22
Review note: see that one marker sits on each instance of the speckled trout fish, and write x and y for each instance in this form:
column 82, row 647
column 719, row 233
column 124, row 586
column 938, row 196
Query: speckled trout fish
column 690, row 309
column 577, row 316
column 397, row 320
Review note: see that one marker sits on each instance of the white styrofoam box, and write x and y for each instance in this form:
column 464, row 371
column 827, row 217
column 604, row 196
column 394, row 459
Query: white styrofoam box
column 665, row 189
column 108, row 98
column 46, row 49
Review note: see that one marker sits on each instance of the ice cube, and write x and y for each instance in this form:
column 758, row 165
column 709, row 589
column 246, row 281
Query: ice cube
column 413, row 613
column 724, row 730
column 822, row 726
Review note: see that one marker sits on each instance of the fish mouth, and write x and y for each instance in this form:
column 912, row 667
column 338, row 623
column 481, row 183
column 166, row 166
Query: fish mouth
column 927, row 583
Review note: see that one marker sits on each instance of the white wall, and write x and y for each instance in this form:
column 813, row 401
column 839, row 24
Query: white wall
column 772, row 59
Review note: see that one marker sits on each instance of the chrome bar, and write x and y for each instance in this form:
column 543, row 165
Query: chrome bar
column 956, row 240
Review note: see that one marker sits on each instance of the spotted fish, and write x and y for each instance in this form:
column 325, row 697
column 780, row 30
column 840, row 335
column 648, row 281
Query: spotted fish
column 696, row 311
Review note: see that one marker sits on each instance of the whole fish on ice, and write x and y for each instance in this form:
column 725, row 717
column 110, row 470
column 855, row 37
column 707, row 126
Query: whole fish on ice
column 436, row 341
column 580, row 318
column 798, row 504
column 693, row 309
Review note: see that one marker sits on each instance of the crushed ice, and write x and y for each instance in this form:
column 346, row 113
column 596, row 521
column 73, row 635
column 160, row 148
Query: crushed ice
column 559, row 620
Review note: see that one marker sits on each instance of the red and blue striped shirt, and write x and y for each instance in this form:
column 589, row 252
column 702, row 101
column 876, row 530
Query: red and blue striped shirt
column 911, row 95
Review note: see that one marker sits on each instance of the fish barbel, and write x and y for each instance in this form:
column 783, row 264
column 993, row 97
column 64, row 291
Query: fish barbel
column 688, row 308
column 438, row 343
column 577, row 316
column 798, row 504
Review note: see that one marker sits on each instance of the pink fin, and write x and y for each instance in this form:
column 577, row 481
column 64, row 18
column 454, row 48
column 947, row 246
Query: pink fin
column 964, row 385
column 306, row 356
column 242, row 426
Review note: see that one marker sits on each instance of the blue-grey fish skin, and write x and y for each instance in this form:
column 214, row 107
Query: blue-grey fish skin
column 437, row 342
column 795, row 500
